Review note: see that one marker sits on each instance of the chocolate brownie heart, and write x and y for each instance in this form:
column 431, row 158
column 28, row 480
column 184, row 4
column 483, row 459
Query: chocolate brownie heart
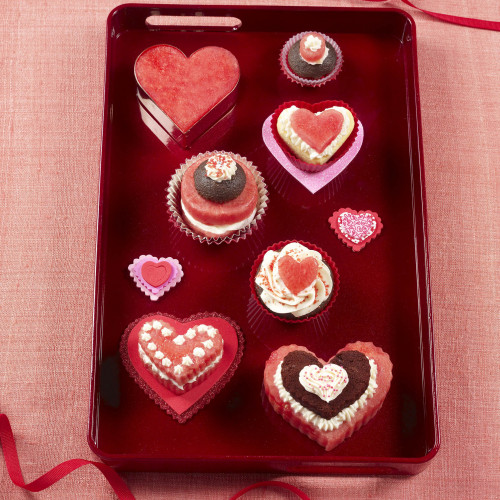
column 328, row 400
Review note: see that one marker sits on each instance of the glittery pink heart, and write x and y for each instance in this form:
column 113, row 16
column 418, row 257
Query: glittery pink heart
column 354, row 228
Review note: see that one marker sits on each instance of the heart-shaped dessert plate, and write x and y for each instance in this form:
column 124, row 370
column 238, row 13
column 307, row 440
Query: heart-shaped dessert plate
column 200, row 335
column 155, row 276
column 312, row 181
column 328, row 400
column 186, row 95
column 354, row 228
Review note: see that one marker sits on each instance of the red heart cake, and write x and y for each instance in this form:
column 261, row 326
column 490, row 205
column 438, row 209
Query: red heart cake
column 328, row 400
column 188, row 90
column 155, row 276
column 182, row 364
column 354, row 228
column 314, row 133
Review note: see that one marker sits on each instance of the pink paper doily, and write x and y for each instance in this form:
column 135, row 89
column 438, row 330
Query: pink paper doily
column 314, row 181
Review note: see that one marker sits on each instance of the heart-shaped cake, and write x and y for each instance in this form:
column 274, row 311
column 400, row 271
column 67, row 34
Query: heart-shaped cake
column 314, row 133
column 182, row 364
column 328, row 400
column 155, row 276
column 354, row 228
column 188, row 90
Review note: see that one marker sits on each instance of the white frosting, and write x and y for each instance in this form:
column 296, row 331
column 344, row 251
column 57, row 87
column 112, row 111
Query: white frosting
column 146, row 337
column 190, row 334
column 152, row 346
column 179, row 340
column 335, row 422
column 166, row 362
column 159, row 355
column 208, row 344
column 220, row 167
column 177, row 369
column 198, row 352
column 276, row 296
column 166, row 332
column 157, row 324
column 187, row 361
column 326, row 382
column 202, row 328
column 224, row 228
column 212, row 332
column 285, row 126
column 147, row 327
column 314, row 43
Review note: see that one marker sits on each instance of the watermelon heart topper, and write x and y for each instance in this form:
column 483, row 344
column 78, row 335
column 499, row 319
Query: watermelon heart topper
column 317, row 130
column 297, row 276
column 187, row 88
column 356, row 229
column 155, row 276
column 182, row 364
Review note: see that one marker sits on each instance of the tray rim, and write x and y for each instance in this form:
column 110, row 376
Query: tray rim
column 331, row 461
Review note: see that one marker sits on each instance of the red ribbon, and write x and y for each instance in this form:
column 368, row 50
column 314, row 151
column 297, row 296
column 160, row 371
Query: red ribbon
column 470, row 22
column 62, row 470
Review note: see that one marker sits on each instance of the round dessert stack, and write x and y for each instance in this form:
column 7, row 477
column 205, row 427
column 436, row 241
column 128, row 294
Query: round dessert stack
column 219, row 195
column 311, row 58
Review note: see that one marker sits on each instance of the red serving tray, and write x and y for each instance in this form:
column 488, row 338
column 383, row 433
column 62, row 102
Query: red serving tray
column 384, row 289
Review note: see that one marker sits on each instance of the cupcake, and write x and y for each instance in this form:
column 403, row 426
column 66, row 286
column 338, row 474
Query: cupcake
column 222, row 196
column 311, row 59
column 294, row 281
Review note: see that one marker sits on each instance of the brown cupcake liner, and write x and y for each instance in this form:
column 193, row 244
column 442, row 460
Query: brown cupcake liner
column 309, row 82
column 311, row 246
column 319, row 106
column 174, row 201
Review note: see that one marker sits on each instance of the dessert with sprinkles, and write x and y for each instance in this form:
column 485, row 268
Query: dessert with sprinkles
column 294, row 281
column 155, row 276
column 182, row 364
column 328, row 400
column 354, row 228
column 311, row 59
column 314, row 135
column 222, row 196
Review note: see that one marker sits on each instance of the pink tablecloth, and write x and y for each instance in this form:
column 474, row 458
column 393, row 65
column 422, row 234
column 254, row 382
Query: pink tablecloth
column 51, row 85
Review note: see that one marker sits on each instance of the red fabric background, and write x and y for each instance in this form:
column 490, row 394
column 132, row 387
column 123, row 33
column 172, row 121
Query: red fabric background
column 51, row 87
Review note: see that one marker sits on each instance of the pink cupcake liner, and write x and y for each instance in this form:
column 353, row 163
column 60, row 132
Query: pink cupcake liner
column 311, row 246
column 319, row 106
column 174, row 201
column 307, row 82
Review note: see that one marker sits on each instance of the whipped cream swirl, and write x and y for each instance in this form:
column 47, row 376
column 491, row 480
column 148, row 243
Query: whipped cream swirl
column 276, row 296
column 220, row 167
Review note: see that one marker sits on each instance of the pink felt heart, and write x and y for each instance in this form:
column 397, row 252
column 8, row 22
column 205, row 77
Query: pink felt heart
column 297, row 276
column 354, row 228
column 187, row 88
column 156, row 273
column 182, row 364
column 317, row 130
